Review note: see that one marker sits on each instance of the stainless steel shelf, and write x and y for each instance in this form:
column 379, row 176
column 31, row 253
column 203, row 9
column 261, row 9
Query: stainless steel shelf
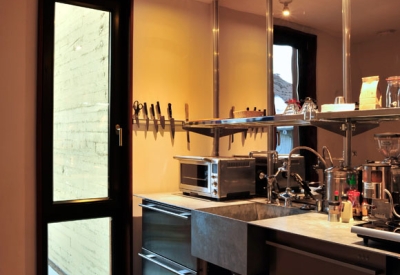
column 262, row 121
column 362, row 115
column 297, row 120
column 361, row 121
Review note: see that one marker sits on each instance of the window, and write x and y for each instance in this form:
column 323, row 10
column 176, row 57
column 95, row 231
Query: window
column 303, row 71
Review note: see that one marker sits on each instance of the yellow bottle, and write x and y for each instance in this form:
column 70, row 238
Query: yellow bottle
column 347, row 210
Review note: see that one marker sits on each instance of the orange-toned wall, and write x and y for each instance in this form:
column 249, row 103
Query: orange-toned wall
column 18, row 21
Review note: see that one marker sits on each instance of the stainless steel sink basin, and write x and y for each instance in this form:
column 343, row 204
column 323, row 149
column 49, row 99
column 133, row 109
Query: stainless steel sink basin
column 252, row 211
column 222, row 235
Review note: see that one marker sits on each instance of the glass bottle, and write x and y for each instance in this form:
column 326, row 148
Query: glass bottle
column 392, row 92
column 364, row 209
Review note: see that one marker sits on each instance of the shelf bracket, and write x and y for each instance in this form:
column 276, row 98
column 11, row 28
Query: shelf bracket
column 210, row 132
column 340, row 128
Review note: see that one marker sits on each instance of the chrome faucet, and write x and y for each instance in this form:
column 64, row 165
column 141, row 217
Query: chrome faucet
column 290, row 162
column 271, row 183
column 271, row 179
column 288, row 197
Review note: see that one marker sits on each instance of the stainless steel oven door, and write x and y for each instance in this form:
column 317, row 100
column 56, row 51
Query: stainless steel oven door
column 167, row 232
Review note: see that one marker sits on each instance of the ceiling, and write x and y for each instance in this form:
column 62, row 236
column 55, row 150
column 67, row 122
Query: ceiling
column 368, row 17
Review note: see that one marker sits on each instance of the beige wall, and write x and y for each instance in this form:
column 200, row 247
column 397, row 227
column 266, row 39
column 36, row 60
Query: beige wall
column 172, row 63
column 17, row 140
column 243, row 74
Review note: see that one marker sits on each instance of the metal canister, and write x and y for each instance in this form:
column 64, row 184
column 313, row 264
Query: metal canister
column 337, row 179
column 375, row 177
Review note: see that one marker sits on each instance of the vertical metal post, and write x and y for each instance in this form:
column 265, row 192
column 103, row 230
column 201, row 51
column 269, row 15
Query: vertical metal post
column 346, row 29
column 270, row 81
column 216, row 73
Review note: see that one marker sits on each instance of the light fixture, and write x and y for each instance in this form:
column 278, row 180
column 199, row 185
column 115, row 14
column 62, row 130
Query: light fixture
column 285, row 11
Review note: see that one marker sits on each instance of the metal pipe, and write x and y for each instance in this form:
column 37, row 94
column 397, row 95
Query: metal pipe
column 290, row 160
column 347, row 144
column 270, row 80
column 215, row 58
column 325, row 149
column 216, row 73
column 346, row 29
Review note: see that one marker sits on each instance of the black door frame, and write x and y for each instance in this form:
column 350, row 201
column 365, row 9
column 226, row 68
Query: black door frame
column 119, row 204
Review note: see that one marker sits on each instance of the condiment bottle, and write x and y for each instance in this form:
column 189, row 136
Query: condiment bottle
column 334, row 208
column 347, row 210
column 364, row 209
column 354, row 198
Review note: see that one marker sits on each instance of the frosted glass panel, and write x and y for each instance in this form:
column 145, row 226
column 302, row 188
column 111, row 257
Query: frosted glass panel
column 81, row 102
column 80, row 247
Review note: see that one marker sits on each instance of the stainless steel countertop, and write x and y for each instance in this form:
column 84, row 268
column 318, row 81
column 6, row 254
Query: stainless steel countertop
column 191, row 203
column 312, row 224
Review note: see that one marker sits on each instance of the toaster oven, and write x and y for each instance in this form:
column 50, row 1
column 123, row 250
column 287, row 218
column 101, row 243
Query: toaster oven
column 217, row 177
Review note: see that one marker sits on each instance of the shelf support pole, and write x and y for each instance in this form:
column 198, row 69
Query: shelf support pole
column 270, row 82
column 346, row 28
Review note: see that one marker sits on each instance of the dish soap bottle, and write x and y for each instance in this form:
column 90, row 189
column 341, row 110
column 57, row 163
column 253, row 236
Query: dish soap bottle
column 347, row 210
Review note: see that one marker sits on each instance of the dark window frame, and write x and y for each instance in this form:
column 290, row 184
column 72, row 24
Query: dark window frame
column 306, row 44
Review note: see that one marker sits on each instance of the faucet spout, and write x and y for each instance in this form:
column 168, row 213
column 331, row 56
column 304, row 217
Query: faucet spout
column 325, row 149
column 299, row 148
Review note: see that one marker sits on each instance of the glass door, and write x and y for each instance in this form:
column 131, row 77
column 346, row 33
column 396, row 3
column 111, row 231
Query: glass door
column 84, row 183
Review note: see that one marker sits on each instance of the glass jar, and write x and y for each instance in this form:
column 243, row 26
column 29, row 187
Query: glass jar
column 309, row 109
column 292, row 107
column 392, row 92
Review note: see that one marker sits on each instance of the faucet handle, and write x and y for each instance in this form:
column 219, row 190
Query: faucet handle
column 287, row 196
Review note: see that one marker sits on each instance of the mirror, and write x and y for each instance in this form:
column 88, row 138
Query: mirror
column 373, row 34
column 374, row 51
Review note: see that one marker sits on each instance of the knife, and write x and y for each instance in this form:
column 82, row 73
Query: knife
column 232, row 116
column 187, row 120
column 146, row 115
column 231, row 138
column 153, row 117
column 171, row 120
column 256, row 128
column 160, row 117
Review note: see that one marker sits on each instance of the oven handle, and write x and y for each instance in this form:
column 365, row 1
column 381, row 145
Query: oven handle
column 184, row 215
column 152, row 258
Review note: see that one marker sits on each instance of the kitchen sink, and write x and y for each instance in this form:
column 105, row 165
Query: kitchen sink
column 221, row 235
column 253, row 211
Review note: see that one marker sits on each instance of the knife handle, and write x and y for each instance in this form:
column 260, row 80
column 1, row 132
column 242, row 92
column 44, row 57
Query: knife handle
column 169, row 110
column 145, row 110
column 186, row 112
column 158, row 109
column 152, row 111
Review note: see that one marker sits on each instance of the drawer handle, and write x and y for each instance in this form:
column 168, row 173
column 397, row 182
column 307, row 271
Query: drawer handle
column 184, row 215
column 152, row 258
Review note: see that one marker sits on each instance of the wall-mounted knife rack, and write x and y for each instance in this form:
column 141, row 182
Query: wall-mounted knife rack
column 141, row 126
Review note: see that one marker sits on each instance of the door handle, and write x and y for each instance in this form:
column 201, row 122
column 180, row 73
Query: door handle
column 118, row 131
